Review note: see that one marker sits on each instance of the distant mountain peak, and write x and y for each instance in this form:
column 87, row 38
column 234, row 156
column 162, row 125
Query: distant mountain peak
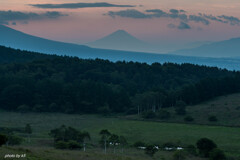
column 120, row 31
column 120, row 35
column 119, row 40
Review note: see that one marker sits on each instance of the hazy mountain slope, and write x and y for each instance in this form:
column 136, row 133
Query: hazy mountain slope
column 228, row 48
column 16, row 39
column 121, row 40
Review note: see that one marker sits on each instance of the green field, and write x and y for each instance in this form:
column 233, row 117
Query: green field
column 225, row 108
column 227, row 138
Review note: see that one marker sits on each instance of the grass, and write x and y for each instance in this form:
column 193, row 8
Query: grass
column 225, row 108
column 227, row 138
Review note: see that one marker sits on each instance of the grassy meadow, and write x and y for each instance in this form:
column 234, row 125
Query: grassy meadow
column 227, row 138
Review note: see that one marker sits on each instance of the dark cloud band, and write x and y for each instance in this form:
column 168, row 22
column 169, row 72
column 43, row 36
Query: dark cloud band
column 78, row 5
column 6, row 16
column 175, row 14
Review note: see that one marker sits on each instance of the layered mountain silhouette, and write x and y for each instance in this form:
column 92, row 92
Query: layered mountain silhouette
column 227, row 48
column 122, row 40
column 19, row 40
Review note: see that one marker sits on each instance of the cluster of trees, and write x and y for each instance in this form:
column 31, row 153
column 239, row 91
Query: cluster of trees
column 69, row 138
column 43, row 83
column 9, row 138
column 109, row 139
column 205, row 148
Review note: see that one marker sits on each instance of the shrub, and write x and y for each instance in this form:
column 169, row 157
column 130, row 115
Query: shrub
column 61, row 145
column 38, row 108
column 180, row 108
column 104, row 110
column 150, row 150
column 191, row 149
column 205, row 146
column 163, row 114
column 169, row 145
column 188, row 119
column 73, row 145
column 217, row 154
column 149, row 115
column 3, row 139
column 139, row 144
column 179, row 155
column 212, row 118
column 14, row 140
column 23, row 108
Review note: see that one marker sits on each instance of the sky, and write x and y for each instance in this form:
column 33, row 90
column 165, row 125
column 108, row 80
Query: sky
column 168, row 22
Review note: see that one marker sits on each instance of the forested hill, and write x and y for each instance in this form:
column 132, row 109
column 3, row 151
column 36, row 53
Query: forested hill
column 63, row 84
column 8, row 55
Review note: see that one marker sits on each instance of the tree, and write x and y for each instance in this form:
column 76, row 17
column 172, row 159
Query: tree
column 3, row 139
column 188, row 119
column 205, row 146
column 68, row 137
column 104, row 137
column 217, row 154
column 28, row 130
column 212, row 118
column 114, row 140
column 179, row 155
column 123, row 142
column 85, row 136
column 150, row 150
column 180, row 108
column 191, row 149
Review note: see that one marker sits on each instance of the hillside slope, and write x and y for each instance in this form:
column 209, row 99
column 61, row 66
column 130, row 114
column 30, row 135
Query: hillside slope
column 227, row 48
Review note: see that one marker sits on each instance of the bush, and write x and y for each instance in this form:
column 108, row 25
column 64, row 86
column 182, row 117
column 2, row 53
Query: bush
column 212, row 118
column 38, row 108
column 163, row 114
column 74, row 145
column 104, row 110
column 14, row 140
column 205, row 146
column 191, row 149
column 61, row 145
column 23, row 108
column 169, row 145
column 139, row 144
column 150, row 150
column 217, row 154
column 3, row 139
column 149, row 115
column 188, row 119
column 179, row 155
column 180, row 108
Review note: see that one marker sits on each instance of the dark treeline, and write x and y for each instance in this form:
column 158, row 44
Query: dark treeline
column 8, row 55
column 72, row 85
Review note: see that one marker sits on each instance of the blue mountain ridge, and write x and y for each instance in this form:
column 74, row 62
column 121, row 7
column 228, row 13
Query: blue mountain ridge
column 19, row 40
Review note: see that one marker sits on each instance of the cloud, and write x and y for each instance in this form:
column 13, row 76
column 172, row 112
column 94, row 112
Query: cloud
column 78, row 5
column 230, row 19
column 6, row 16
column 223, row 19
column 181, row 26
column 175, row 14
column 154, row 13
column 130, row 13
column 199, row 19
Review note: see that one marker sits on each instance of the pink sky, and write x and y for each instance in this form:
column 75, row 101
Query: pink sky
column 88, row 24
